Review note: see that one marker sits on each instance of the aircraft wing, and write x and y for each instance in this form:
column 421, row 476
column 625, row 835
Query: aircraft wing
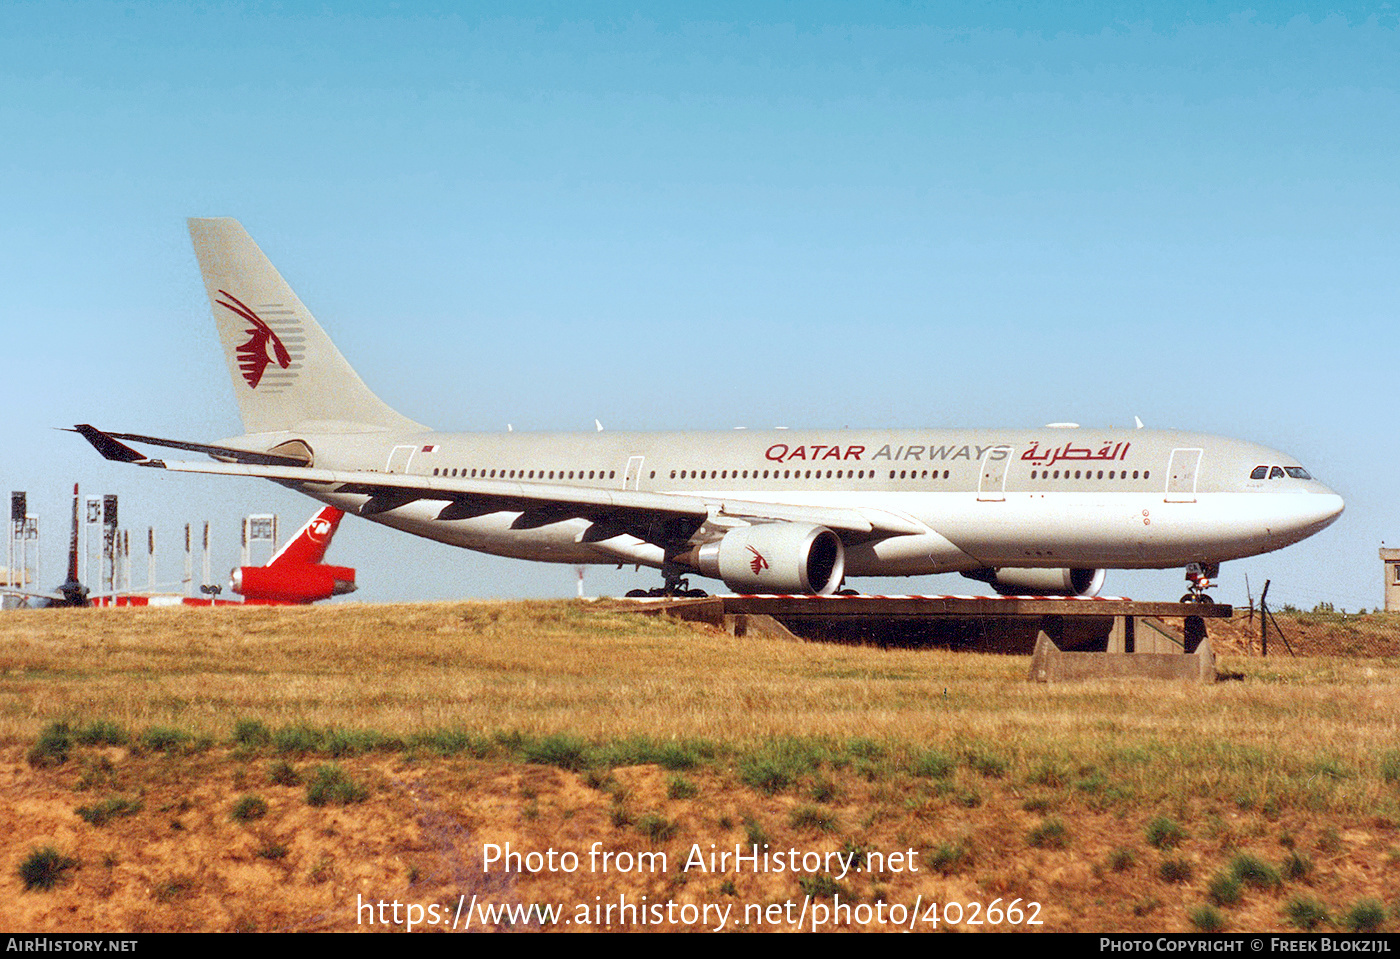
column 50, row 599
column 26, row 593
column 653, row 517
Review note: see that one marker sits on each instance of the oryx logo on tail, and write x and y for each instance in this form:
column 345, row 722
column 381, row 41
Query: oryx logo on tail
column 255, row 355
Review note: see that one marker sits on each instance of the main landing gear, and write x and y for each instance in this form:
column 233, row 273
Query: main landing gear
column 1199, row 576
column 676, row 587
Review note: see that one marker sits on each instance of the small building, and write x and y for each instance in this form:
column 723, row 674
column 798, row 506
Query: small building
column 1391, row 558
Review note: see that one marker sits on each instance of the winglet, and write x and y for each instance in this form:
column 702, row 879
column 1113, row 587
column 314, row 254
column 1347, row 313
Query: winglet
column 110, row 448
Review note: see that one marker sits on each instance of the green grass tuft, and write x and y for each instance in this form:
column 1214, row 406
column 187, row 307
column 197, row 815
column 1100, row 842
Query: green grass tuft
column 163, row 739
column 1175, row 870
column 814, row 818
column 103, row 732
column 678, row 787
column 451, row 742
column 282, row 773
column 297, row 739
column 248, row 808
column 1207, row 919
column 52, row 747
column 251, row 734
column 1368, row 915
column 44, row 868
column 656, row 827
column 1049, row 773
column 1164, row 833
column 562, row 750
column 1255, row 872
column 1390, row 767
column 1296, row 865
column 765, row 775
column 987, row 764
column 331, row 786
column 1121, row 860
column 1050, row 834
column 1225, row 889
column 1306, row 912
column 782, row 762
column 866, row 748
column 948, row 858
column 754, row 833
column 822, row 886
column 99, row 814
column 932, row 764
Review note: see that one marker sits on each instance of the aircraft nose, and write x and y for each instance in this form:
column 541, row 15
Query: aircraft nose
column 1334, row 507
column 1312, row 513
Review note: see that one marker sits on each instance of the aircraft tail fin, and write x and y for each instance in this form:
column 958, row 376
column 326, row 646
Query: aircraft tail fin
column 308, row 546
column 287, row 374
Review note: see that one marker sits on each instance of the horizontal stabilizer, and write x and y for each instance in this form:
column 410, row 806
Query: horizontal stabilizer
column 109, row 446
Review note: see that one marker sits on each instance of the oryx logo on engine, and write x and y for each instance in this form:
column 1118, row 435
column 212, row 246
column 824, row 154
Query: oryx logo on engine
column 758, row 564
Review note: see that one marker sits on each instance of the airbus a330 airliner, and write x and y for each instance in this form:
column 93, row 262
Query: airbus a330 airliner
column 1041, row 511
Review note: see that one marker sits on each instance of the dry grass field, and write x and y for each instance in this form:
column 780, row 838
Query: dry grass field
column 355, row 766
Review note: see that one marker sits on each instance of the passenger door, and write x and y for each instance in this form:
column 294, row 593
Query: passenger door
column 1181, row 475
column 633, row 473
column 399, row 459
column 991, row 486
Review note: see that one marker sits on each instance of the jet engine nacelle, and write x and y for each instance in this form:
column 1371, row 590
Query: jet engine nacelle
column 292, row 584
column 1014, row 581
column 776, row 558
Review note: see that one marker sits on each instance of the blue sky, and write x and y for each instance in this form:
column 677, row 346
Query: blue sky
column 701, row 216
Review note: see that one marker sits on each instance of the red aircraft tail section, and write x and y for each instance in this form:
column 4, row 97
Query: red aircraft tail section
column 296, row 575
column 308, row 546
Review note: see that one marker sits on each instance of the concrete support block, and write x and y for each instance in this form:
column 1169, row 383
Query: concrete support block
column 1050, row 665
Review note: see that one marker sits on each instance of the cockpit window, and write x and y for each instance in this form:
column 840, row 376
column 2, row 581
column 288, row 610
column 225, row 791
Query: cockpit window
column 1260, row 472
column 1297, row 472
column 1276, row 472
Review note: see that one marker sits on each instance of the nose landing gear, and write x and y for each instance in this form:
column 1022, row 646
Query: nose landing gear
column 1199, row 576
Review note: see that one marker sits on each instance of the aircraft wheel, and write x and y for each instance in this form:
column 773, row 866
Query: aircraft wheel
column 636, row 594
column 1189, row 598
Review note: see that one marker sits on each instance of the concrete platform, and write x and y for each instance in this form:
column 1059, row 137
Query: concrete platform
column 1006, row 624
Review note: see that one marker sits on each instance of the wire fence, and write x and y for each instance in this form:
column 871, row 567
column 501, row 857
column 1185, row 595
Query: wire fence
column 1322, row 631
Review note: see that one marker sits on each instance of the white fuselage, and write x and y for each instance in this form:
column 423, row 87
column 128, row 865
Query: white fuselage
column 971, row 499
